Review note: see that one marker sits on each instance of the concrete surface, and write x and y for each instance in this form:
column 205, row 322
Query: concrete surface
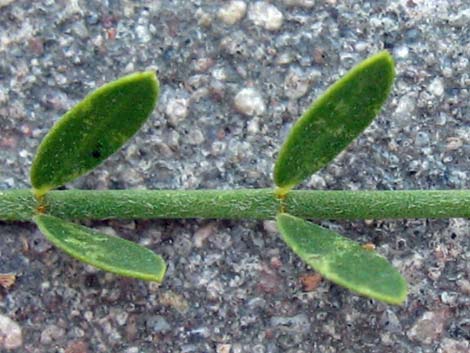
column 235, row 75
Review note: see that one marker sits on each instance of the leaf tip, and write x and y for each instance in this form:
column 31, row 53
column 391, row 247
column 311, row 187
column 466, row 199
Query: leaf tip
column 401, row 297
column 151, row 78
column 385, row 57
column 160, row 276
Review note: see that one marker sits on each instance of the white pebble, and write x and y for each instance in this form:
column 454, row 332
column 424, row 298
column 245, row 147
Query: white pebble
column 401, row 52
column 177, row 110
column 450, row 345
column 317, row 182
column 232, row 12
column 361, row 46
column 4, row 3
column 203, row 18
column 428, row 328
column 436, row 87
column 270, row 227
column 218, row 147
column 422, row 139
column 454, row 143
column 441, row 120
column 130, row 68
column 295, row 85
column 223, row 348
column 11, row 336
column 406, row 105
column 143, row 34
column 303, row 3
column 202, row 234
column 79, row 28
column 447, row 72
column 195, row 137
column 265, row 15
column 121, row 317
column 253, row 126
column 51, row 333
column 132, row 350
column 249, row 102
column 24, row 154
column 462, row 18
column 284, row 58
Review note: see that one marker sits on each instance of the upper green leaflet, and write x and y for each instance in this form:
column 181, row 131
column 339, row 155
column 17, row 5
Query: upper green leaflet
column 343, row 261
column 93, row 130
column 106, row 252
column 334, row 120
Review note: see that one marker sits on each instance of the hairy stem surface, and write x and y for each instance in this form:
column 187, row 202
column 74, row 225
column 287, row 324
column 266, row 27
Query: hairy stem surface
column 21, row 205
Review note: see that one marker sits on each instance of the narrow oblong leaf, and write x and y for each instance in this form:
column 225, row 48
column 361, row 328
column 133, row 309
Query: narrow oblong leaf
column 93, row 130
column 343, row 261
column 105, row 252
column 334, row 120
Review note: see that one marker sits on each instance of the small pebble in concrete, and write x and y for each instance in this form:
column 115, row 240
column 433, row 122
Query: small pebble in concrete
column 158, row 324
column 143, row 34
column 437, row 87
column 4, row 3
column 195, row 137
column 429, row 327
column 177, row 110
column 422, row 139
column 310, row 281
column 270, row 226
column 401, row 52
column 298, row 323
column 202, row 234
column 223, row 348
column 265, row 15
column 450, row 345
column 302, row 3
column 249, row 102
column 461, row 19
column 454, row 143
column 7, row 280
column 295, row 85
column 203, row 18
column 51, row 333
column 11, row 336
column 232, row 12
column 77, row 347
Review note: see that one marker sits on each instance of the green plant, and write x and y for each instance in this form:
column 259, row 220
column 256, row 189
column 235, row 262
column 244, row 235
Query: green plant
column 108, row 117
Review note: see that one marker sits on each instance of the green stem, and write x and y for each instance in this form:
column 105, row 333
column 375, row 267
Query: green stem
column 20, row 205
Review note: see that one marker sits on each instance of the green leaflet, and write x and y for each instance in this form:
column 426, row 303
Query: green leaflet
column 334, row 120
column 93, row 130
column 343, row 261
column 106, row 252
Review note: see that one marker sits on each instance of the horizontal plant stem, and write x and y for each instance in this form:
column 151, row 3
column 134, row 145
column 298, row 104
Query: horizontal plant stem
column 20, row 205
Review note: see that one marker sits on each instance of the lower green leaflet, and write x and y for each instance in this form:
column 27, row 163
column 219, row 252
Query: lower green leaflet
column 105, row 252
column 343, row 261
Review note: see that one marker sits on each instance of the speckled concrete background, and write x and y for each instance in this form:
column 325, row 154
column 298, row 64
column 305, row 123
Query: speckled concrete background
column 235, row 76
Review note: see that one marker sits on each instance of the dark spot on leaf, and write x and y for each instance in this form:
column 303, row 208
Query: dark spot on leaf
column 96, row 152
